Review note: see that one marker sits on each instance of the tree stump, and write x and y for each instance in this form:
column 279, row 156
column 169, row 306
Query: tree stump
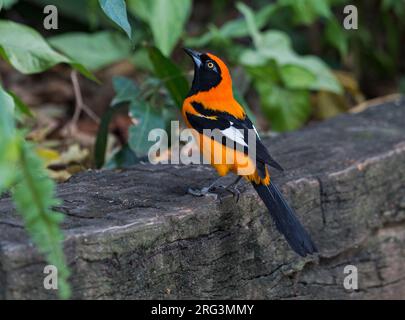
column 135, row 233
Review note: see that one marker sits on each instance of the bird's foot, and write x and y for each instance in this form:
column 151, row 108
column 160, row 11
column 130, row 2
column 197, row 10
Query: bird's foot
column 204, row 192
column 233, row 189
column 217, row 192
column 235, row 192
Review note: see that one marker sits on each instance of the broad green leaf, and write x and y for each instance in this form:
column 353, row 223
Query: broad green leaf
column 165, row 18
column 9, row 155
column 26, row 50
column 116, row 10
column 276, row 40
column 125, row 90
column 253, row 58
column 267, row 74
column 123, row 158
column 9, row 143
column 250, row 22
column 138, row 134
column 86, row 12
column 325, row 80
column 94, row 50
column 167, row 22
column 237, row 28
column 7, row 109
column 274, row 45
column 285, row 109
column 170, row 75
column 307, row 11
column 203, row 40
column 297, row 77
column 337, row 36
column 306, row 72
column 141, row 8
column 239, row 97
column 7, row 4
column 140, row 59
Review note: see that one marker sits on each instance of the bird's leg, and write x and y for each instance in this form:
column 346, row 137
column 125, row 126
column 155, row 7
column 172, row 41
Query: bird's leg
column 233, row 188
column 209, row 191
column 204, row 191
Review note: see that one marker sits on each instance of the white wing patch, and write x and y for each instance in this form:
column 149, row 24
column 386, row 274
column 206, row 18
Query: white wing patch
column 254, row 128
column 235, row 135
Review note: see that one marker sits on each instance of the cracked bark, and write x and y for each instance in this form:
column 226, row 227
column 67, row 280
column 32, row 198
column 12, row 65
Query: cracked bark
column 137, row 234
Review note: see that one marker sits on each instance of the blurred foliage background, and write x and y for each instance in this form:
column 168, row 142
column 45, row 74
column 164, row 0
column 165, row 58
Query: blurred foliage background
column 86, row 94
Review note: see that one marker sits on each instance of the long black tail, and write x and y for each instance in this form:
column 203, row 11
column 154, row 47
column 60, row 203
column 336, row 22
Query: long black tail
column 286, row 220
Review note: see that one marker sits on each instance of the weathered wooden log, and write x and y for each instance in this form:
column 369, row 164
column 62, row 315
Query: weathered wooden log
column 136, row 233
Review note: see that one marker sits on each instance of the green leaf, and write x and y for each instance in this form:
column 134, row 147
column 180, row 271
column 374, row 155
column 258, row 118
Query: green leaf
column 337, row 36
column 116, row 10
column 239, row 97
column 274, row 45
column 237, row 28
column 9, row 155
column 166, row 20
column 202, row 40
column 86, row 12
column 142, row 9
column 140, row 59
column 26, row 50
column 170, row 75
column 138, row 134
column 94, row 50
column 100, row 145
column 123, row 158
column 297, row 77
column 126, row 92
column 33, row 193
column 251, row 22
column 298, row 72
column 20, row 105
column 325, row 80
column 286, row 109
column 307, row 11
column 7, row 4
column 34, row 196
column 7, row 109
column 84, row 71
column 9, row 143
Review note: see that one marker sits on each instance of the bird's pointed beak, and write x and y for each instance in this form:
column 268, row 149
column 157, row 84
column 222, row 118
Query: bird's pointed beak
column 196, row 56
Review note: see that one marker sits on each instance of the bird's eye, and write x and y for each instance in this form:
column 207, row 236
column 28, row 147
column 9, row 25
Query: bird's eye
column 210, row 65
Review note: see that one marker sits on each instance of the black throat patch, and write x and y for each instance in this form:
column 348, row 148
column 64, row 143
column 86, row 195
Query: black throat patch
column 205, row 78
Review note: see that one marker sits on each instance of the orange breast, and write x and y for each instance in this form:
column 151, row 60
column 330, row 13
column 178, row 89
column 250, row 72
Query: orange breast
column 224, row 159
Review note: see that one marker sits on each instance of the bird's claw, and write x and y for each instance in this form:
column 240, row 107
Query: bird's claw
column 212, row 191
column 233, row 190
column 204, row 192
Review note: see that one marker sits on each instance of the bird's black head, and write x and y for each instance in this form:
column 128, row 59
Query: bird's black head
column 207, row 72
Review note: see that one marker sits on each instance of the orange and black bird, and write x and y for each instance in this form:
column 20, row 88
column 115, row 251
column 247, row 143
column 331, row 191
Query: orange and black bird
column 210, row 105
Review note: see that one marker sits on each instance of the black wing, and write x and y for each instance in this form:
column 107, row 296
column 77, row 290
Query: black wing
column 231, row 128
